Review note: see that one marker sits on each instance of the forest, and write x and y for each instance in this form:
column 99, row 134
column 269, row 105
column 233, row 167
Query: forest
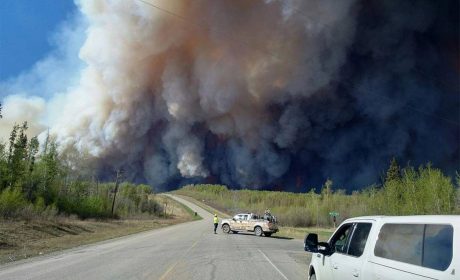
column 36, row 181
column 404, row 191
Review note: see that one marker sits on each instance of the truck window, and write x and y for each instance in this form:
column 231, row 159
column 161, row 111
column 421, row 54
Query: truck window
column 400, row 242
column 424, row 245
column 359, row 239
column 339, row 241
column 438, row 246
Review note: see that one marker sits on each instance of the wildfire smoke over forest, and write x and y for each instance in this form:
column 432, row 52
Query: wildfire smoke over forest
column 263, row 93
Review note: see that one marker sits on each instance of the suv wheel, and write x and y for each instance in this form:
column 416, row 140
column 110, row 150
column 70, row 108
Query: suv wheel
column 258, row 231
column 226, row 228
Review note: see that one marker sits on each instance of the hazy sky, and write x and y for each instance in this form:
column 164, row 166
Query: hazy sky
column 25, row 30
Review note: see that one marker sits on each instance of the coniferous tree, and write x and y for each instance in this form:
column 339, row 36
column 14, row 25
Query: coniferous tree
column 51, row 172
column 327, row 189
column 32, row 153
column 12, row 139
column 394, row 171
column 17, row 154
column 393, row 189
column 3, row 166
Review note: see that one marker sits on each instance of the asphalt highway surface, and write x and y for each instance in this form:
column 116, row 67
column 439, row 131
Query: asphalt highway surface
column 186, row 251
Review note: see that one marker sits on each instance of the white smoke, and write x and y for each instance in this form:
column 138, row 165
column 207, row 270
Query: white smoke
column 151, row 78
column 248, row 93
column 18, row 109
column 158, row 80
column 37, row 95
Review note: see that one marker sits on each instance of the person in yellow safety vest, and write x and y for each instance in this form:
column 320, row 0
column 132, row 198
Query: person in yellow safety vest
column 216, row 223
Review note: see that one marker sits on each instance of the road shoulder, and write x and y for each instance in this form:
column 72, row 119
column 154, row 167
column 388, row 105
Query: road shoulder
column 26, row 239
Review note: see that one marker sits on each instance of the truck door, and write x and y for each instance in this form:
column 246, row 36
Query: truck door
column 237, row 221
column 348, row 263
column 338, row 243
column 245, row 222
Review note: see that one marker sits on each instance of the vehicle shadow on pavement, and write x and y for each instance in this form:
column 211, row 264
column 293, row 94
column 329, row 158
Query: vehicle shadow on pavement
column 272, row 237
column 280, row 237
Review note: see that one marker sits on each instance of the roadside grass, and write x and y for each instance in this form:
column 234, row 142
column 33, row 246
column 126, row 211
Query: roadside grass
column 20, row 239
column 289, row 232
column 299, row 233
column 192, row 213
column 412, row 191
column 173, row 207
column 205, row 206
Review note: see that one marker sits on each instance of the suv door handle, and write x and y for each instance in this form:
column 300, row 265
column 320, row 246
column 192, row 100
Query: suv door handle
column 355, row 273
column 335, row 266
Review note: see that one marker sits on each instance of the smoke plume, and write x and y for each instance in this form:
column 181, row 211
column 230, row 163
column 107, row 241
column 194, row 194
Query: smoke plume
column 273, row 94
column 19, row 109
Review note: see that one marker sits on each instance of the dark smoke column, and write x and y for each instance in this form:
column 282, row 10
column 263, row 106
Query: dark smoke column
column 267, row 94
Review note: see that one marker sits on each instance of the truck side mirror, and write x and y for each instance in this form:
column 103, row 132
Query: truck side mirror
column 311, row 243
column 324, row 248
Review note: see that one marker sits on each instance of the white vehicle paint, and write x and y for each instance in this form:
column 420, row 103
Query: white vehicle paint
column 388, row 248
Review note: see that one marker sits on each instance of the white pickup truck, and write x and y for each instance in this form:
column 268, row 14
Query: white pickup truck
column 388, row 248
column 250, row 222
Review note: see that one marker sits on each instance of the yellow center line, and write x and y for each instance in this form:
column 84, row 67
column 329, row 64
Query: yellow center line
column 171, row 267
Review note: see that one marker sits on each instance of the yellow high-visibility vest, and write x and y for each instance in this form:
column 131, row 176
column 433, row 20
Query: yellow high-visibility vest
column 216, row 220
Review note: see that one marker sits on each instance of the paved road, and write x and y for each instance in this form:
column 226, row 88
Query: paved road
column 184, row 251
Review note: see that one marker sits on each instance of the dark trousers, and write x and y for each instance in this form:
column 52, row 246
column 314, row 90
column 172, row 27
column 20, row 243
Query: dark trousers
column 215, row 227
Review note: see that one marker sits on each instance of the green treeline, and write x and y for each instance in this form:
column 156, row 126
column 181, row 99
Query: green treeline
column 409, row 191
column 37, row 182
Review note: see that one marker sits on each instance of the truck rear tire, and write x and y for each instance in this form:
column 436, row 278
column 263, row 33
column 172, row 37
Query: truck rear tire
column 226, row 228
column 258, row 231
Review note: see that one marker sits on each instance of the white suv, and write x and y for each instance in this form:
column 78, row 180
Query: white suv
column 388, row 248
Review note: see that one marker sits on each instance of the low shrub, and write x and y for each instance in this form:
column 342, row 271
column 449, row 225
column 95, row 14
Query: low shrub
column 11, row 202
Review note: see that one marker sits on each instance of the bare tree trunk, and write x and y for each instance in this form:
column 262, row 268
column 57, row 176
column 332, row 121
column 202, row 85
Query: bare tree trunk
column 117, row 181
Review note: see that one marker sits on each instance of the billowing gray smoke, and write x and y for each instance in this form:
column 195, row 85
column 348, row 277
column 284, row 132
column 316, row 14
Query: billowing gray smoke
column 266, row 93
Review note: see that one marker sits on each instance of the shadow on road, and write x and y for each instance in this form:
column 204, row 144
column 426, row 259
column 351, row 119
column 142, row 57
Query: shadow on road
column 281, row 237
column 253, row 235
